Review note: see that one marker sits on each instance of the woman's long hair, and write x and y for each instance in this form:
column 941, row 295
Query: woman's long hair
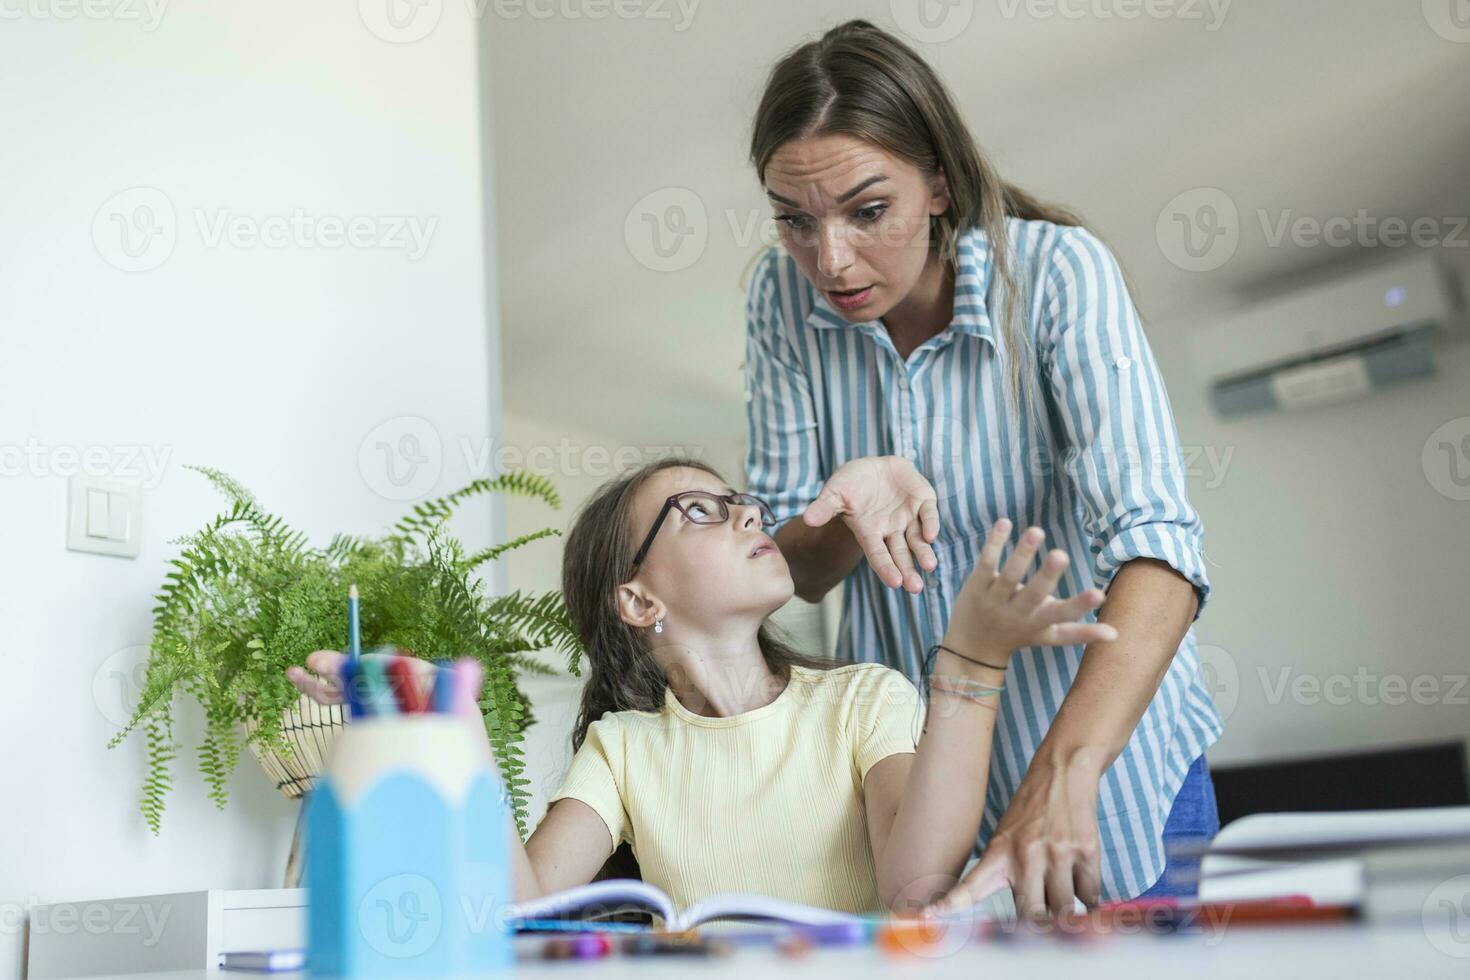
column 621, row 672
column 858, row 80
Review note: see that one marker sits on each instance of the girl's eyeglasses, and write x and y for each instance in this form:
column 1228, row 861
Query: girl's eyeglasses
column 703, row 507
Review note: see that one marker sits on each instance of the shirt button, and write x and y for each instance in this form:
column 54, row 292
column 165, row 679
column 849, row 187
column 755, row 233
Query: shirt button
column 1124, row 363
column 903, row 381
column 910, row 454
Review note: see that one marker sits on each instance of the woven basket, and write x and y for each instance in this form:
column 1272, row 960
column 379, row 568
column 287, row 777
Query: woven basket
column 309, row 729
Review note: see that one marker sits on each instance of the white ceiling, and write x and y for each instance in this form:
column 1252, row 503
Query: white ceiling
column 1321, row 108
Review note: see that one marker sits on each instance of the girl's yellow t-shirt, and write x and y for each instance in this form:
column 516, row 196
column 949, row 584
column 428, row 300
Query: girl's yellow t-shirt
column 768, row 801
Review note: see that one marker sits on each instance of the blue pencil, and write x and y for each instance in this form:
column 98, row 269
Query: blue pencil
column 354, row 625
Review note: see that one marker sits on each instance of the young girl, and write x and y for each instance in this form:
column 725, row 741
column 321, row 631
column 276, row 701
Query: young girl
column 728, row 762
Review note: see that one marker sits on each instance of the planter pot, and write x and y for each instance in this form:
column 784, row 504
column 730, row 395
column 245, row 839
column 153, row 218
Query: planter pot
column 310, row 729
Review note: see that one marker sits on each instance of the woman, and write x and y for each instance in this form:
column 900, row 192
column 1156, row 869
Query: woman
column 728, row 762
column 935, row 349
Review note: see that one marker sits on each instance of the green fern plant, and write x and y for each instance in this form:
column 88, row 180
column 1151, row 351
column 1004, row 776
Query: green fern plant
column 248, row 597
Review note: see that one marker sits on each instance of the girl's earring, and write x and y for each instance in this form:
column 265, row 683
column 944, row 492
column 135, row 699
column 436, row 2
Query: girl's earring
column 658, row 625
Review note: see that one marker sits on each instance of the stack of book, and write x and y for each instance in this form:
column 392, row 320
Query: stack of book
column 1388, row 863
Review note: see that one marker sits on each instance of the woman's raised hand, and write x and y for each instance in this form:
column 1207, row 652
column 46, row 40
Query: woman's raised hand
column 890, row 509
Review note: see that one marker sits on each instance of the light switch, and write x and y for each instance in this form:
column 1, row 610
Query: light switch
column 99, row 519
column 105, row 516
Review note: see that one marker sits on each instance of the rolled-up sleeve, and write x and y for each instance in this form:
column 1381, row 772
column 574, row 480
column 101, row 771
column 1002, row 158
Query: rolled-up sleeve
column 782, row 462
column 1123, row 451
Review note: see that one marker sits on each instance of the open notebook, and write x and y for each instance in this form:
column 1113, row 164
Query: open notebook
column 602, row 898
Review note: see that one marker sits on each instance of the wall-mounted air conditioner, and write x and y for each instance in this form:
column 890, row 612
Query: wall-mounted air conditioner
column 1332, row 341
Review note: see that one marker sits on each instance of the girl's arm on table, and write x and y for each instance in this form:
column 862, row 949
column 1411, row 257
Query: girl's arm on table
column 924, row 809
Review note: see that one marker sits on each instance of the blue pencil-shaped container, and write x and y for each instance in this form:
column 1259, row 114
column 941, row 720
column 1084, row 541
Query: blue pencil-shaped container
column 407, row 862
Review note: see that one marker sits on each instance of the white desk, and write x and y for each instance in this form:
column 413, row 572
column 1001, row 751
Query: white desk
column 1407, row 950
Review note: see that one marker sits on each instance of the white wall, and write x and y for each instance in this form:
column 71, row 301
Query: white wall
column 1341, row 574
column 274, row 363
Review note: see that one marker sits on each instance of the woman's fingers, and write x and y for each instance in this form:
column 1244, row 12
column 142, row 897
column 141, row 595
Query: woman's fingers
column 923, row 554
column 876, row 550
column 929, row 519
column 1059, row 895
column 1087, row 879
column 1030, row 885
column 898, row 550
column 829, row 504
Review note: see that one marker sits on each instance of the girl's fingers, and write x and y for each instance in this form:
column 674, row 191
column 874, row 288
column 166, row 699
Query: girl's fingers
column 326, row 662
column 1044, row 583
column 1076, row 607
column 1023, row 556
column 323, row 681
column 1070, row 610
column 318, row 690
column 995, row 542
column 989, row 876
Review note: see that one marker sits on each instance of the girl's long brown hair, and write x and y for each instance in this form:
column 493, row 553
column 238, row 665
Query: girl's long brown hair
column 621, row 672
column 858, row 80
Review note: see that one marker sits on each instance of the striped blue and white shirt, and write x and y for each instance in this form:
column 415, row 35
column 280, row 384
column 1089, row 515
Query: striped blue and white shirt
column 1096, row 465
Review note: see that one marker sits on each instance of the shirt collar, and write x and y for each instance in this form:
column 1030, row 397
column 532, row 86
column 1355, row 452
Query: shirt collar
column 971, row 288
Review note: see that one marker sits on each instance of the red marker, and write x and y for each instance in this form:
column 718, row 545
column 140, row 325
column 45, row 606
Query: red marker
column 405, row 683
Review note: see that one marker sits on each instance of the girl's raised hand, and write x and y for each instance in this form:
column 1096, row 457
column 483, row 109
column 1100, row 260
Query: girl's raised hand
column 1003, row 611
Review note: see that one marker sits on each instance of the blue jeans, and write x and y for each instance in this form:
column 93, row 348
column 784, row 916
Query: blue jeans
column 1193, row 815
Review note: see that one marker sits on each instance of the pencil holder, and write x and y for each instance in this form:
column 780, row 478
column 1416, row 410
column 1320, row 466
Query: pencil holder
column 407, row 863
